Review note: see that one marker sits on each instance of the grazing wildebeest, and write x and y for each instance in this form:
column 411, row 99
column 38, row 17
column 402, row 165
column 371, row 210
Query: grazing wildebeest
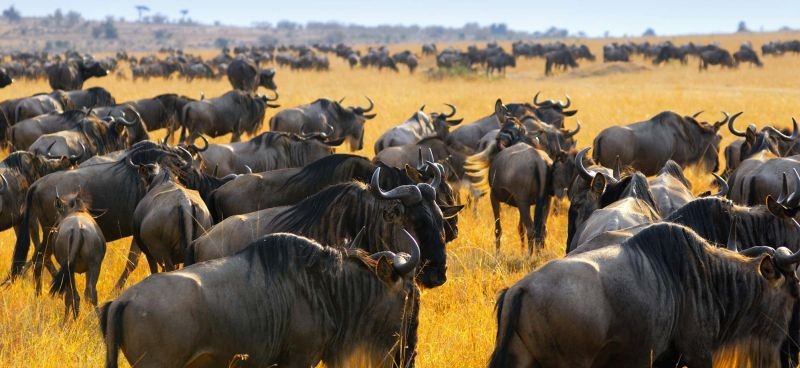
column 70, row 75
column 646, row 146
column 79, row 247
column 515, row 172
column 339, row 212
column 714, row 302
column 317, row 116
column 284, row 301
column 245, row 75
column 90, row 137
column 266, row 151
column 748, row 55
column 234, row 112
column 499, row 62
column 115, row 190
column 167, row 219
column 562, row 59
column 716, row 56
column 5, row 79
column 417, row 127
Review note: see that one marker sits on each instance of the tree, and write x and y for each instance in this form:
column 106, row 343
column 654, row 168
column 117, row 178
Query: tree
column 742, row 27
column 141, row 9
column 12, row 14
column 650, row 32
column 183, row 15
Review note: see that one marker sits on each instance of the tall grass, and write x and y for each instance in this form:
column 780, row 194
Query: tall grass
column 457, row 325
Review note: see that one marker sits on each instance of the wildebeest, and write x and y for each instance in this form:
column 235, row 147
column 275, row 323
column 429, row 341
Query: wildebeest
column 283, row 301
column 429, row 49
column 234, row 112
column 90, row 98
column 500, row 62
column 244, row 74
column 5, row 79
column 317, row 116
column 115, row 190
column 339, row 212
column 38, row 104
column 560, row 59
column 613, row 52
column 646, row 146
column 162, row 111
column 417, row 127
column 266, row 151
column 90, row 137
column 167, row 219
column 516, row 173
column 760, row 176
column 24, row 133
column 747, row 54
column 716, row 56
column 672, row 190
column 714, row 303
column 70, row 75
column 79, row 247
column 769, row 141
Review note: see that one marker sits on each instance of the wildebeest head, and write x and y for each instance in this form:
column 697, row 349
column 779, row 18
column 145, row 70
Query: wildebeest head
column 66, row 204
column 512, row 131
column 267, row 79
column 133, row 122
column 352, row 120
column 564, row 171
column 5, row 79
column 551, row 111
column 427, row 172
column 101, row 96
column 768, row 139
column 92, row 69
column 416, row 209
column 442, row 121
column 704, row 140
column 591, row 189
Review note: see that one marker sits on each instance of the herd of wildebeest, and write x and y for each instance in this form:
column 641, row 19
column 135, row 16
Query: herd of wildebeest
column 294, row 255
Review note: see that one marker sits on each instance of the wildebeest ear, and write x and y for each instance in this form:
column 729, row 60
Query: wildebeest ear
column 569, row 112
column 598, row 184
column 449, row 212
column 393, row 213
column 385, row 270
column 413, row 173
column 750, row 135
column 767, row 269
column 776, row 208
column 500, row 111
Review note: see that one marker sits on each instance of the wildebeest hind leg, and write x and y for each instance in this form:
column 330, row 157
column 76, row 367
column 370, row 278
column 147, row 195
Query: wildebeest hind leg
column 526, row 221
column 540, row 220
column 498, row 230
column 130, row 265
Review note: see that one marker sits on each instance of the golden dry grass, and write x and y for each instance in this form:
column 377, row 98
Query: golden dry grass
column 457, row 324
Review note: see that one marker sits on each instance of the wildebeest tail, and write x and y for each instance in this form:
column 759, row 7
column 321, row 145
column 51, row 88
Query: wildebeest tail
column 22, row 245
column 111, row 328
column 65, row 277
column 500, row 356
column 476, row 168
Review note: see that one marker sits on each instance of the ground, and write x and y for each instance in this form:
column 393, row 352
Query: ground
column 457, row 326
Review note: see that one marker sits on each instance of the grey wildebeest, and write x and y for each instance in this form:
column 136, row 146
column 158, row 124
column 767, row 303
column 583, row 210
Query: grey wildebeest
column 646, row 146
column 562, row 59
column 79, row 247
column 70, row 75
column 234, row 112
column 672, row 190
column 417, row 127
column 746, row 54
column 716, row 56
column 244, row 74
column 769, row 142
column 25, row 132
column 38, row 104
column 692, row 302
column 256, row 304
column 337, row 213
column 90, row 98
column 162, row 111
column 266, row 151
column 317, row 116
column 760, row 176
column 115, row 189
column 515, row 172
column 5, row 79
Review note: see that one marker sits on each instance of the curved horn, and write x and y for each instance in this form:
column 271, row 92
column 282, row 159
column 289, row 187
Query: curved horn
column 358, row 238
column 733, row 130
column 187, row 158
column 249, row 169
column 784, row 190
column 582, row 171
column 437, row 174
column 405, row 266
column 198, row 149
column 536, row 99
column 4, row 183
column 723, row 121
column 757, row 251
column 617, row 168
column 723, row 186
column 731, row 244
column 272, row 99
column 341, row 100
column 695, row 115
column 452, row 111
column 407, row 193
column 371, row 105
column 74, row 158
column 794, row 136
column 562, row 105
column 570, row 134
column 784, row 257
column 125, row 122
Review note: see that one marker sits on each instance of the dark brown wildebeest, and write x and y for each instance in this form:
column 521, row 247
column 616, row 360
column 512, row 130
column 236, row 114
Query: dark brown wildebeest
column 25, row 132
column 79, row 247
column 515, row 172
column 5, row 79
column 716, row 302
column 234, row 112
column 562, row 59
column 500, row 62
column 167, row 219
column 321, row 114
column 429, row 49
column 417, row 127
column 162, row 111
column 29, row 107
column 90, row 98
column 338, row 212
column 746, row 54
column 646, row 146
column 70, row 75
column 672, row 190
column 244, row 74
column 115, row 190
column 769, row 139
column 256, row 304
column 551, row 111
column 266, row 151
column 716, row 56
column 588, row 191
column 760, row 176
column 89, row 138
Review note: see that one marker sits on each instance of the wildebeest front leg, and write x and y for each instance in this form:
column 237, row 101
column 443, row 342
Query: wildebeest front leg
column 540, row 220
column 92, row 276
column 130, row 265
column 498, row 230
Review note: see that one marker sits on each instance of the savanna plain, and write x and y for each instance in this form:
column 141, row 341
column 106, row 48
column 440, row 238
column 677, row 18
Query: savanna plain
column 457, row 324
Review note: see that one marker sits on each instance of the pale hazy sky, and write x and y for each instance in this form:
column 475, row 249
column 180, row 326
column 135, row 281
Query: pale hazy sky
column 594, row 17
